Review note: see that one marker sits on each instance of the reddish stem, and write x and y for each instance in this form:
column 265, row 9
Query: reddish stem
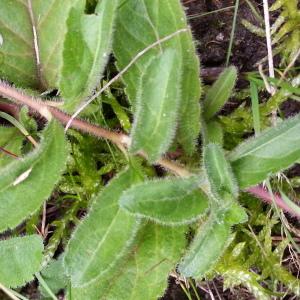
column 263, row 194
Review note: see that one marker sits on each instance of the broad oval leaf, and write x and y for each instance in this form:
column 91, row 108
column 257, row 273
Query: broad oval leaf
column 24, row 59
column 104, row 235
column 87, row 48
column 140, row 23
column 157, row 105
column 168, row 202
column 25, row 184
column 20, row 258
column 143, row 273
column 222, row 181
column 273, row 150
column 219, row 93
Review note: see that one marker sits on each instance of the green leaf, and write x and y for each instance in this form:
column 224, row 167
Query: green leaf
column 104, row 235
column 86, row 50
column 140, row 23
column 169, row 201
column 143, row 273
column 157, row 105
column 206, row 248
column 11, row 140
column 54, row 276
column 20, row 258
column 25, row 184
column 235, row 214
column 272, row 151
column 219, row 93
column 18, row 53
column 213, row 132
column 222, row 182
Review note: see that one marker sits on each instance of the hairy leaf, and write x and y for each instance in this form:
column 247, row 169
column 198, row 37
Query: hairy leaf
column 140, row 23
column 54, row 276
column 272, row 151
column 219, row 93
column 20, row 258
column 222, row 182
column 213, row 132
column 26, row 60
column 235, row 214
column 206, row 248
column 87, row 48
column 168, row 201
column 10, row 140
column 157, row 106
column 25, row 184
column 143, row 273
column 104, row 235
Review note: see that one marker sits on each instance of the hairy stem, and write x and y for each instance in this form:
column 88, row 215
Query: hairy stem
column 37, row 105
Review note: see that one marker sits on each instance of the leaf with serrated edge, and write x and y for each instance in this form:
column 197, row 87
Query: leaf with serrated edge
column 143, row 273
column 168, row 201
column 140, row 23
column 21, row 198
column 157, row 105
column 86, row 50
column 104, row 235
column 273, row 150
column 219, row 93
column 19, row 54
column 20, row 258
column 222, row 182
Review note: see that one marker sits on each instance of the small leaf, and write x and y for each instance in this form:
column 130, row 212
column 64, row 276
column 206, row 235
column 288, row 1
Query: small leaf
column 222, row 182
column 219, row 93
column 104, row 235
column 236, row 214
column 168, row 201
column 272, row 151
column 159, row 19
column 213, row 132
column 20, row 258
column 157, row 105
column 143, row 273
column 206, row 248
column 25, row 184
column 54, row 276
column 10, row 140
column 87, row 48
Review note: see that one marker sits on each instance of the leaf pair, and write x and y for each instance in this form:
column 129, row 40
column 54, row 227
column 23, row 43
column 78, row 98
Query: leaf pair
column 140, row 24
column 142, row 272
column 213, row 237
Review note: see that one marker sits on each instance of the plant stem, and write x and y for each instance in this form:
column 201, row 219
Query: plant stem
column 37, row 105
